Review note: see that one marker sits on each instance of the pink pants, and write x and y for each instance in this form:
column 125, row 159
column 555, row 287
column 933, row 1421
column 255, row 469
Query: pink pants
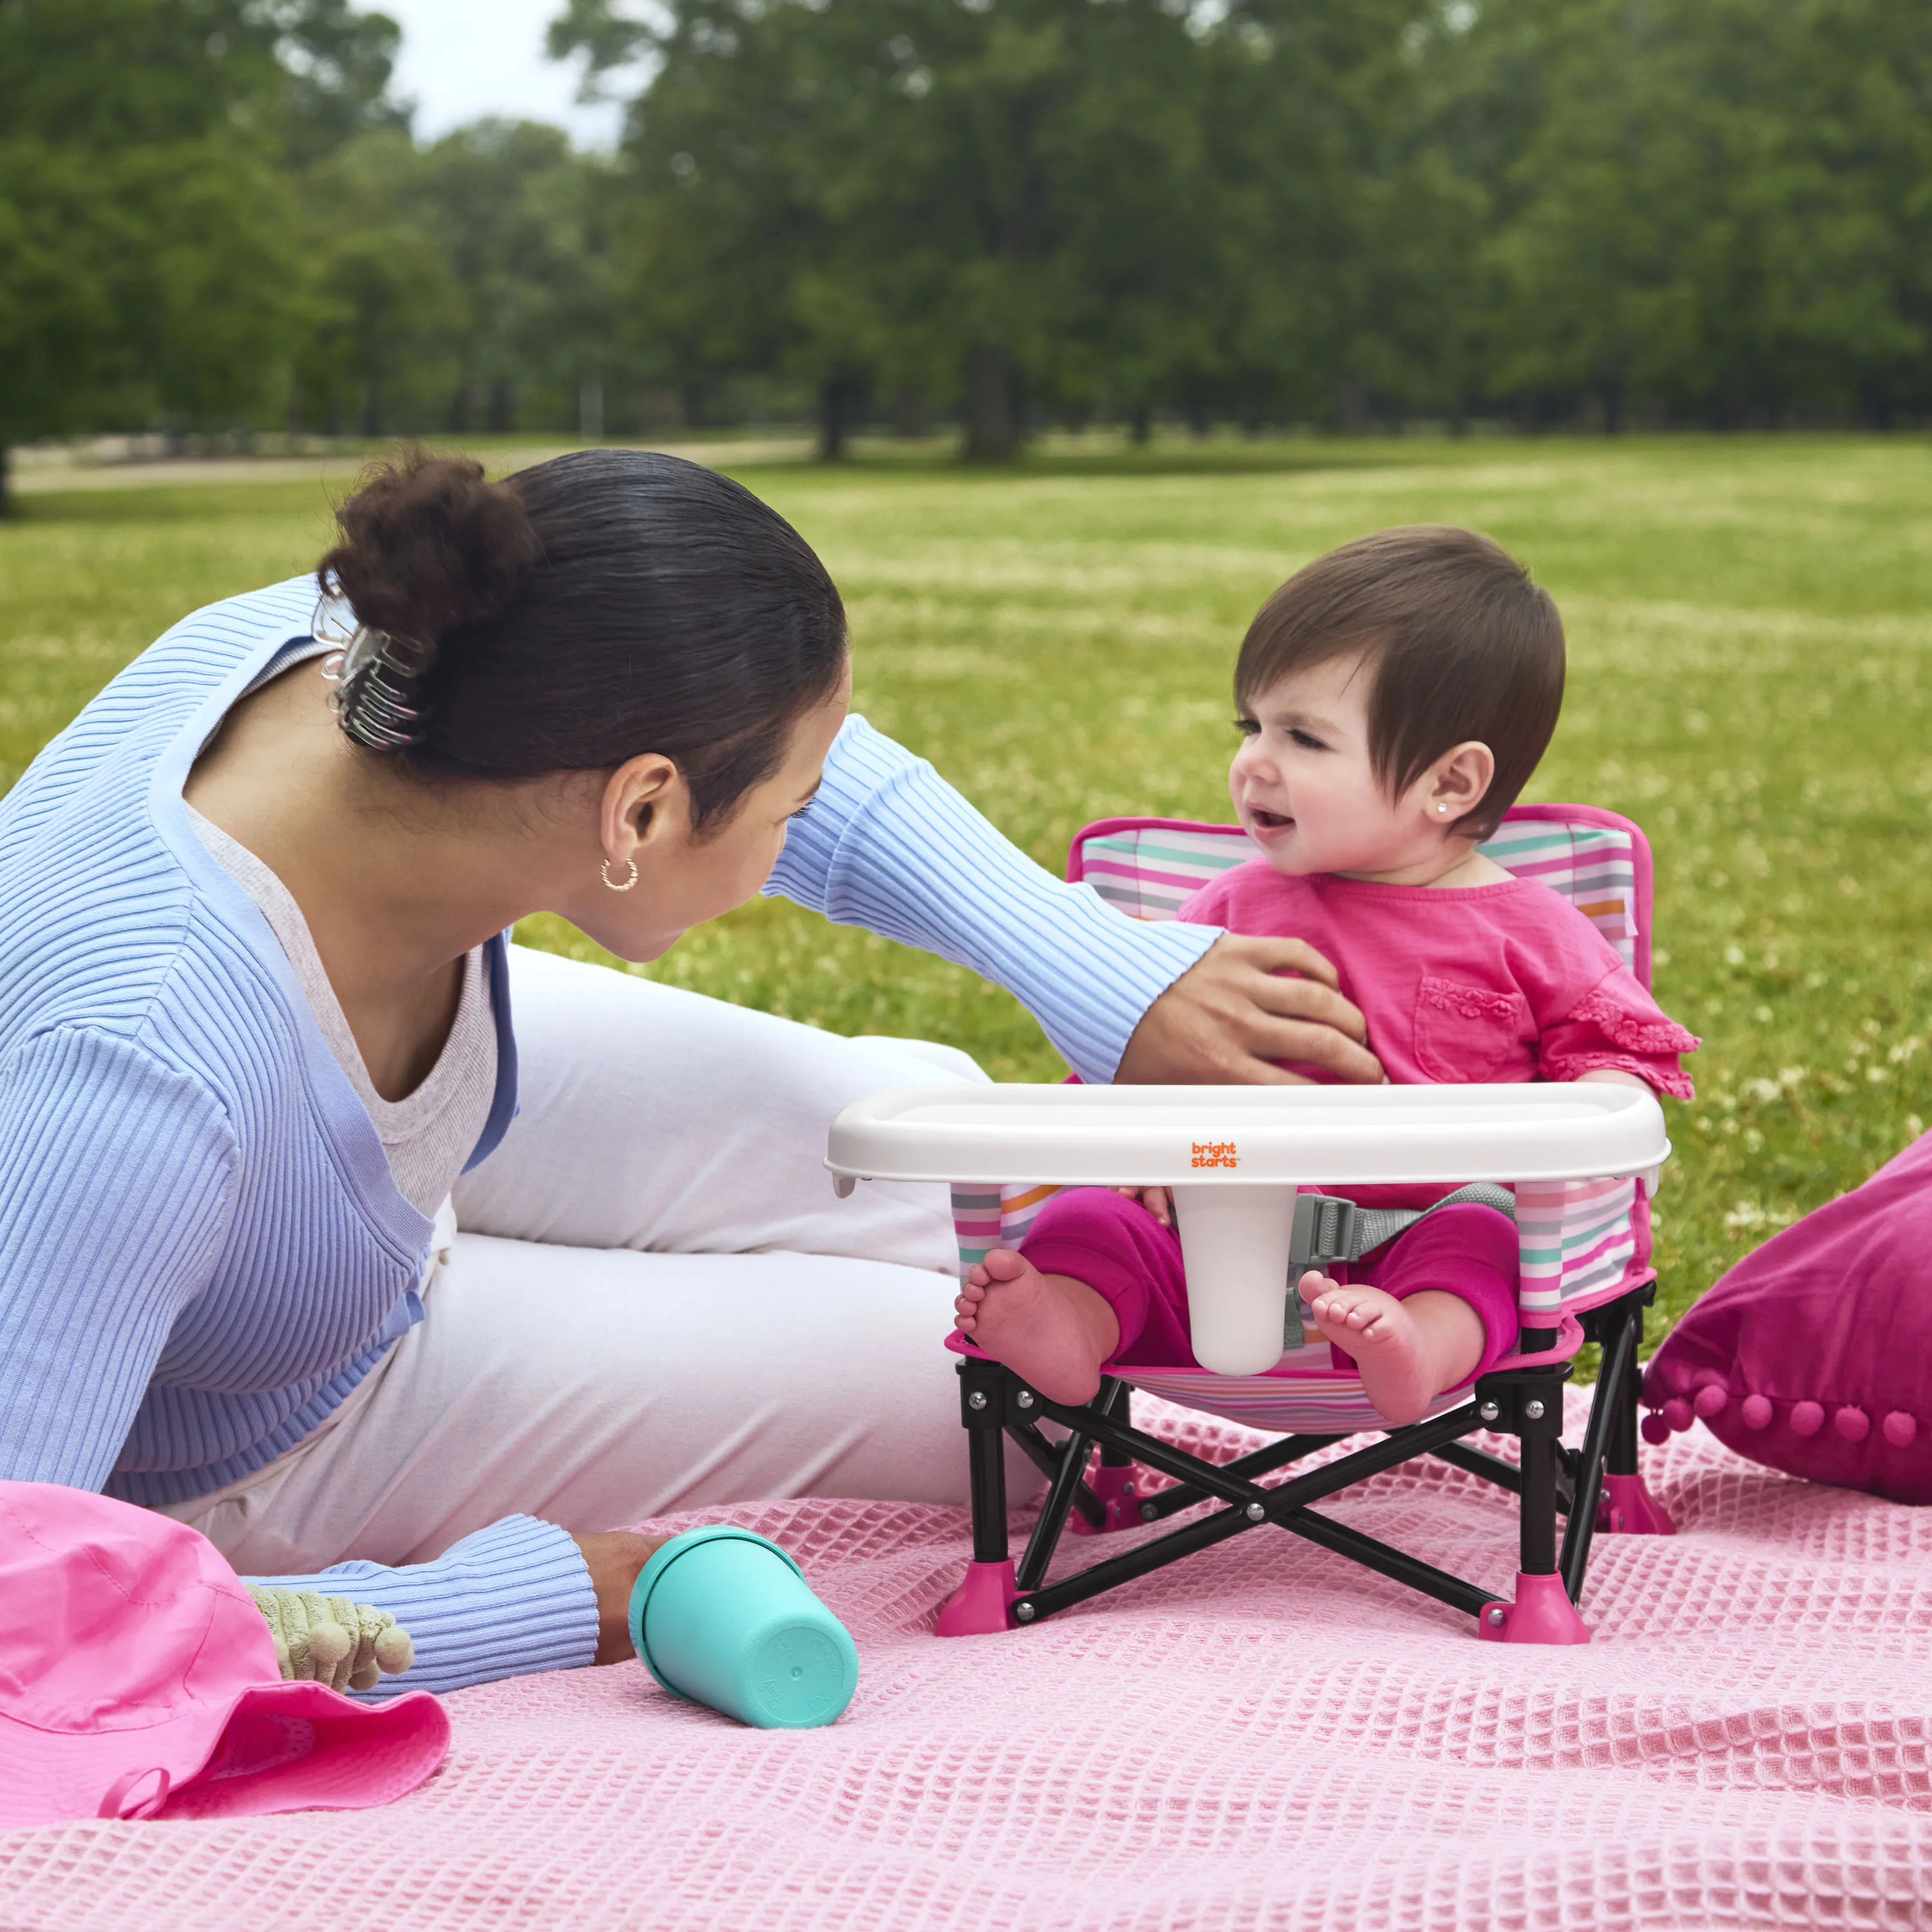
column 1120, row 1251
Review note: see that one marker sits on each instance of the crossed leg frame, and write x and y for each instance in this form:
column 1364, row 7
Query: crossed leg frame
column 1595, row 1487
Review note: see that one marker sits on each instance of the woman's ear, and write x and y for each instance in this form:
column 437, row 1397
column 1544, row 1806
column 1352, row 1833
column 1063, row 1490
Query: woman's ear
column 644, row 802
column 1458, row 782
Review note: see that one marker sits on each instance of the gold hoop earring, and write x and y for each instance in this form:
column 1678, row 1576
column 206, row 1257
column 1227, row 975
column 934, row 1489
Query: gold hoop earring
column 605, row 869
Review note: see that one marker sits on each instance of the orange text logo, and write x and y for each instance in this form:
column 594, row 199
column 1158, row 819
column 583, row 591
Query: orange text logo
column 1216, row 1154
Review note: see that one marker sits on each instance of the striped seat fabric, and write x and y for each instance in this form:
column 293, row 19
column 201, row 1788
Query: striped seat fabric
column 1581, row 1242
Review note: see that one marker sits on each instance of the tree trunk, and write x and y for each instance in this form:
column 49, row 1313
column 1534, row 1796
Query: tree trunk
column 991, row 434
column 911, row 418
column 832, row 398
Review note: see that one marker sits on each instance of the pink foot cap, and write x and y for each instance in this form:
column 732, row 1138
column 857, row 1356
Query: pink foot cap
column 1542, row 1613
column 1627, row 1508
column 979, row 1606
column 1118, row 1490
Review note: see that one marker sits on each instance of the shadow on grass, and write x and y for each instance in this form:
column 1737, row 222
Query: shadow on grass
column 177, row 503
column 935, row 459
column 1070, row 457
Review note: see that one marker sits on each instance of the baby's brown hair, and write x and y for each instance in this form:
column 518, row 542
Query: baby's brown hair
column 1460, row 643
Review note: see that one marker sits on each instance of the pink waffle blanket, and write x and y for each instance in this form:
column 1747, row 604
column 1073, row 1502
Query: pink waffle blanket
column 1262, row 1739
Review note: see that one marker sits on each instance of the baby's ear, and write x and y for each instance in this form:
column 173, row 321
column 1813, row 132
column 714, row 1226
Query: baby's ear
column 1459, row 780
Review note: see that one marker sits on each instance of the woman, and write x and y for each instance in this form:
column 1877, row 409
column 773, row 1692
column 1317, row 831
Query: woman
column 255, row 1029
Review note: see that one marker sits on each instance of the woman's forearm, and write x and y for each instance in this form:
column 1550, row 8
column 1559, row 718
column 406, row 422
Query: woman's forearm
column 888, row 845
column 507, row 1600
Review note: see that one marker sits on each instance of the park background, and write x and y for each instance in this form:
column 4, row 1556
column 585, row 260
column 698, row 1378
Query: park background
column 1065, row 329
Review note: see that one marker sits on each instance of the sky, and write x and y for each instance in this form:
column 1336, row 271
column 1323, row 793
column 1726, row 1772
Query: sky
column 462, row 59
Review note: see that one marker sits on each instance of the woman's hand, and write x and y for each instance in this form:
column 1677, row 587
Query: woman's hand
column 614, row 1557
column 1244, row 1004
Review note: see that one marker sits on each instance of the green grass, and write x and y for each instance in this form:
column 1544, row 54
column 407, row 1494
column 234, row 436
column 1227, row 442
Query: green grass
column 1750, row 626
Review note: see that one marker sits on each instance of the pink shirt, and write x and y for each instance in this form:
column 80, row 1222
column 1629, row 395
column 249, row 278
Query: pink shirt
column 1501, row 982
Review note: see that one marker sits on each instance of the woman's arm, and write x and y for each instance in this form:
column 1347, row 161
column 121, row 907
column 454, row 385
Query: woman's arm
column 888, row 845
column 114, row 1205
column 516, row 1597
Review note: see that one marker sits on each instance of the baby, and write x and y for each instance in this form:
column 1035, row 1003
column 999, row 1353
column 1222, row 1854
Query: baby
column 1394, row 698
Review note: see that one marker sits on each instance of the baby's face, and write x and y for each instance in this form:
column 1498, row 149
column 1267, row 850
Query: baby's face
column 1302, row 783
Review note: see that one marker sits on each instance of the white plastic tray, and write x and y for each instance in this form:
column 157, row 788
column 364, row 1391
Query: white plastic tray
column 1235, row 1155
column 1146, row 1136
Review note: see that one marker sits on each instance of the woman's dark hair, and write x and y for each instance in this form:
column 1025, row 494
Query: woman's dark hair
column 601, row 604
column 1461, row 644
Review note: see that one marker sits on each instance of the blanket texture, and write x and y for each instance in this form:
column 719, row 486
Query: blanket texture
column 1264, row 1739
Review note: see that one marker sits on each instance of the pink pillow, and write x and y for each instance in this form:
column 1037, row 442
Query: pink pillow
column 1814, row 1354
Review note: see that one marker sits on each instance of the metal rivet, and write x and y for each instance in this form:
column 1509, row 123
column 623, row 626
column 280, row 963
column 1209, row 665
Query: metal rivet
column 1127, row 1487
column 1149, row 1513
column 1533, row 1409
column 1023, row 1613
column 1256, row 1513
column 977, row 1400
column 1495, row 1614
column 1024, row 1398
column 1488, row 1411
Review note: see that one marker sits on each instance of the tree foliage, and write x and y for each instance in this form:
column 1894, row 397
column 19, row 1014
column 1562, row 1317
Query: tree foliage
column 1617, row 211
column 1708, row 210
column 146, row 233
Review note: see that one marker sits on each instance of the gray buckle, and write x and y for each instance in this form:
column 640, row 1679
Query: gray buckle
column 1324, row 1230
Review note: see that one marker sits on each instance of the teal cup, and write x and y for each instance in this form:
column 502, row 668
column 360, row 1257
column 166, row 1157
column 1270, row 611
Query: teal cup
column 726, row 1617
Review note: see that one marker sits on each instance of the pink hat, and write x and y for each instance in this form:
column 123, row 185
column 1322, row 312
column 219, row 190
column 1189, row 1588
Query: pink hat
column 138, row 1680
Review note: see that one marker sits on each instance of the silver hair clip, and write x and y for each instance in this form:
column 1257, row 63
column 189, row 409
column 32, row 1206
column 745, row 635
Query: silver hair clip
column 374, row 673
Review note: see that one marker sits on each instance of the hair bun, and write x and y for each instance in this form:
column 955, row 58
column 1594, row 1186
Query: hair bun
column 429, row 546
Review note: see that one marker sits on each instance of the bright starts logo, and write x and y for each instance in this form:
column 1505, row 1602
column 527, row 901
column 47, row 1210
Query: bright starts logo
column 1216, row 1154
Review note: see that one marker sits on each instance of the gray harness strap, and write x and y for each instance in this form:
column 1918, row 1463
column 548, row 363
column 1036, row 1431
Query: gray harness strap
column 1329, row 1229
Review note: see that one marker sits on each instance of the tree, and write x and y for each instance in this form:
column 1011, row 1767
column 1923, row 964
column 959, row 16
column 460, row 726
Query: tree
column 982, row 199
column 145, row 250
column 521, row 216
column 1717, row 211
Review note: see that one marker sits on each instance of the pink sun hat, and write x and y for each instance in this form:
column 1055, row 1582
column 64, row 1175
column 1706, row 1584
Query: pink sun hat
column 138, row 1680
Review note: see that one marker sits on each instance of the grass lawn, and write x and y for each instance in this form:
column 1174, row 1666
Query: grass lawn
column 1751, row 625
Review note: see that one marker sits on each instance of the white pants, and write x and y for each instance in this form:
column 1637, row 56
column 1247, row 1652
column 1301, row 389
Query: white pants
column 655, row 1302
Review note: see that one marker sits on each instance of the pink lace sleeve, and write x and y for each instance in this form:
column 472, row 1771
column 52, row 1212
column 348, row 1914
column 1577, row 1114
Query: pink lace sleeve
column 1618, row 1026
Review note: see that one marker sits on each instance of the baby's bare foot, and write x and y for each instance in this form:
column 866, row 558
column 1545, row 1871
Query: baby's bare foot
column 1050, row 1330
column 1398, row 1367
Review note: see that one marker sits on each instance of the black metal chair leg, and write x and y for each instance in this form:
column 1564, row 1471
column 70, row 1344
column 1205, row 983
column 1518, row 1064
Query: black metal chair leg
column 979, row 1604
column 1618, row 1331
column 1620, row 1452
